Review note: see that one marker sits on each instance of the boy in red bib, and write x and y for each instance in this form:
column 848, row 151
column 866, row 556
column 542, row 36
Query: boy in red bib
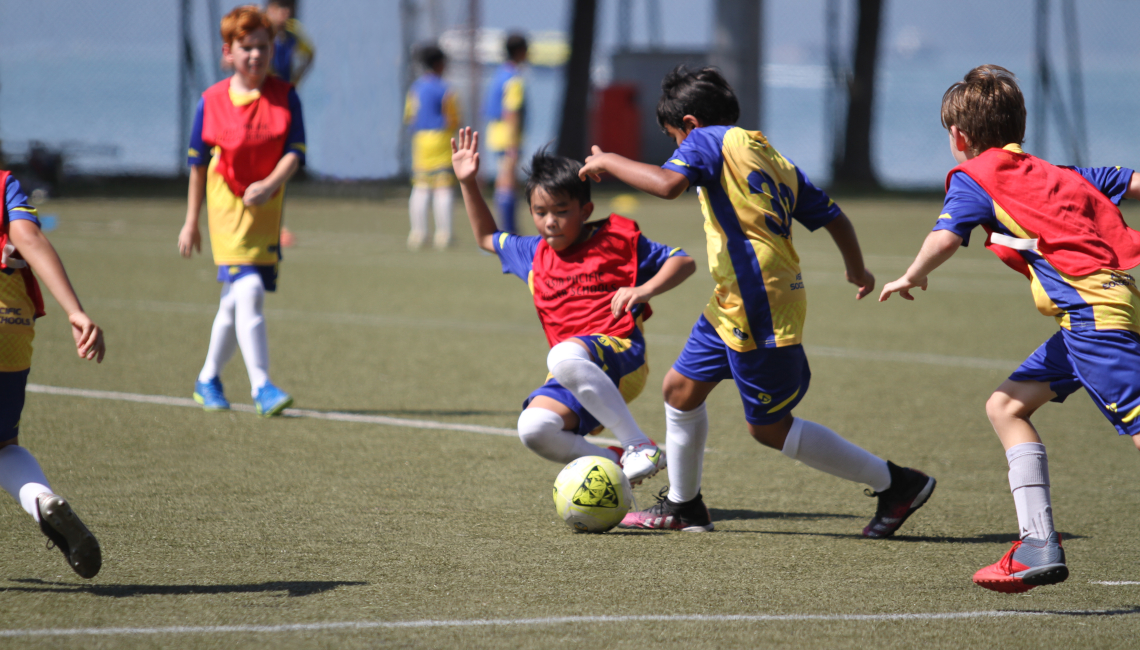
column 248, row 139
column 24, row 248
column 591, row 282
column 1061, row 228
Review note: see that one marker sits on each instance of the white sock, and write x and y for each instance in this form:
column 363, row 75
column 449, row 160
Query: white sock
column 21, row 476
column 249, row 323
column 685, row 435
column 418, row 213
column 817, row 446
column 1029, row 482
column 571, row 365
column 441, row 202
column 541, row 431
column 223, row 339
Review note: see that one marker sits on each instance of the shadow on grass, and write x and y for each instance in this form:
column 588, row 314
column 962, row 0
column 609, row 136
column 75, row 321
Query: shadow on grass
column 737, row 515
column 988, row 538
column 291, row 589
column 395, row 413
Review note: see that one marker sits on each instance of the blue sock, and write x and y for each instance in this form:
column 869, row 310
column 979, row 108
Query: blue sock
column 505, row 201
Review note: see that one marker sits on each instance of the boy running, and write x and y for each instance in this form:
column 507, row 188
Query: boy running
column 23, row 248
column 505, row 112
column 432, row 113
column 752, row 328
column 591, row 282
column 247, row 141
column 1061, row 228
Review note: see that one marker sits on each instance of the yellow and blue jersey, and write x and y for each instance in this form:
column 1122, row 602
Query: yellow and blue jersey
column 506, row 94
column 241, row 234
column 750, row 194
column 17, row 306
column 292, row 50
column 1105, row 300
column 431, row 111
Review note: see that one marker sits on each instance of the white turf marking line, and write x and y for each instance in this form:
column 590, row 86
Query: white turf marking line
column 1113, row 583
column 560, row 620
column 293, row 413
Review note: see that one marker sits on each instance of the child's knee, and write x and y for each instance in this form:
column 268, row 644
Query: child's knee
column 567, row 350
column 1000, row 406
column 538, row 424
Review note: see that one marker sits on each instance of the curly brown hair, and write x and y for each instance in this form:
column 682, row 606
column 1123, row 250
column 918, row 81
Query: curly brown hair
column 987, row 106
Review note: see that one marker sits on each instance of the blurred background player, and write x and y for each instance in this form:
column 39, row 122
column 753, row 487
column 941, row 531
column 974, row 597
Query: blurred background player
column 505, row 112
column 752, row 329
column 432, row 113
column 248, row 139
column 293, row 55
column 597, row 353
column 1062, row 229
column 24, row 249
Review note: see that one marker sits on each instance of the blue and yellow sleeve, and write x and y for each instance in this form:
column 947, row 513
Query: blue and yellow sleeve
column 1111, row 181
column 651, row 256
column 516, row 253
column 814, row 208
column 295, row 141
column 966, row 207
column 16, row 203
column 699, row 158
column 199, row 153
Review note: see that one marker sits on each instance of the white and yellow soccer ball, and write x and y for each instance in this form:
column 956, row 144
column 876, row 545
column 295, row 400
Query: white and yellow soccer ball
column 592, row 494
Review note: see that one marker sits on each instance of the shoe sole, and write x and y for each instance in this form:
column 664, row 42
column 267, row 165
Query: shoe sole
column 918, row 502
column 213, row 409
column 85, row 557
column 710, row 527
column 277, row 408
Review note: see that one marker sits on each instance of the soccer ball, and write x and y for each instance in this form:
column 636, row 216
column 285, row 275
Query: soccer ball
column 592, row 494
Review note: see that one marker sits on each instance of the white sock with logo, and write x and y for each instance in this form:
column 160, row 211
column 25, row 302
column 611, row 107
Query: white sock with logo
column 572, row 366
column 686, row 433
column 223, row 337
column 541, row 431
column 1029, row 483
column 21, row 476
column 249, row 323
column 817, row 446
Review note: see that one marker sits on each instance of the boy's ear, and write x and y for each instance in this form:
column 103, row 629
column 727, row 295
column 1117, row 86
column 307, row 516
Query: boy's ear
column 689, row 123
column 587, row 210
column 961, row 140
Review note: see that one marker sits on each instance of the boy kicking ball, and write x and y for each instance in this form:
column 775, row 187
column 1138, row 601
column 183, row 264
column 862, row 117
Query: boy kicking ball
column 1061, row 228
column 24, row 248
column 591, row 282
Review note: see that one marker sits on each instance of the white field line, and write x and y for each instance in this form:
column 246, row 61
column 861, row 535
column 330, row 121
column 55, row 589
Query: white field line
column 293, row 413
column 561, row 620
column 379, row 320
column 1114, row 583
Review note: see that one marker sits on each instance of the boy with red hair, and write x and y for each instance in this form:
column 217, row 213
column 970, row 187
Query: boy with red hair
column 248, row 139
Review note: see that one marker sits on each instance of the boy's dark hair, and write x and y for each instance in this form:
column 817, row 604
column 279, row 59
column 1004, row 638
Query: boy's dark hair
column 284, row 4
column 704, row 94
column 987, row 106
column 431, row 56
column 515, row 43
column 558, row 175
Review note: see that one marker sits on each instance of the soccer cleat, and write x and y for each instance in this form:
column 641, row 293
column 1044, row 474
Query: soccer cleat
column 690, row 517
column 271, row 400
column 416, row 240
column 64, row 529
column 211, row 395
column 441, row 240
column 642, row 462
column 908, row 492
column 1029, row 563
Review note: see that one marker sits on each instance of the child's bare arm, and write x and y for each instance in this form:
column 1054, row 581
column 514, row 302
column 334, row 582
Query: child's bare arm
column 842, row 231
column 38, row 252
column 673, row 272
column 1133, row 191
column 261, row 191
column 651, row 179
column 465, row 162
column 190, row 239
column 939, row 246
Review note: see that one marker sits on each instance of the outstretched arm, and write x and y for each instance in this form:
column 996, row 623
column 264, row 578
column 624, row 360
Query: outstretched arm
column 939, row 246
column 1133, row 191
column 38, row 252
column 651, row 179
column 465, row 162
column 842, row 231
column 673, row 272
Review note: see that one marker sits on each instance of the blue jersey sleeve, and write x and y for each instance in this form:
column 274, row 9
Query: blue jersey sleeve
column 295, row 141
column 516, row 253
column 699, row 158
column 966, row 206
column 814, row 208
column 1111, row 181
column 651, row 256
column 16, row 203
column 199, row 153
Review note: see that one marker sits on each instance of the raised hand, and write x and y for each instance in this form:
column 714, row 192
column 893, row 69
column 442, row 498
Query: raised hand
column 594, row 166
column 465, row 154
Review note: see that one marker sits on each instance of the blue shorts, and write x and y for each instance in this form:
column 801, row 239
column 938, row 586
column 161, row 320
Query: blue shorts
column 1105, row 363
column 771, row 381
column 12, row 386
column 623, row 361
column 268, row 273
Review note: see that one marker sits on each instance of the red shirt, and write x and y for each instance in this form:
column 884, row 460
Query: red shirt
column 252, row 136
